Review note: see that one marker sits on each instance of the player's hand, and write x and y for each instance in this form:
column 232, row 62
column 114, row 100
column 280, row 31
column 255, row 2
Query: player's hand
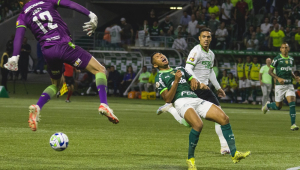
column 194, row 84
column 203, row 86
column 12, row 63
column 280, row 80
column 91, row 26
column 297, row 78
column 221, row 93
column 178, row 76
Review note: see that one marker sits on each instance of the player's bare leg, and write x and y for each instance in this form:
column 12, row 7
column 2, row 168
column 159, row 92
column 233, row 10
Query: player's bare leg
column 101, row 82
column 217, row 115
column 194, row 120
column 34, row 110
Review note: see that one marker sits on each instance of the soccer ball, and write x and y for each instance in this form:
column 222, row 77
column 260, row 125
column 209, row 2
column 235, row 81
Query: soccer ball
column 59, row 141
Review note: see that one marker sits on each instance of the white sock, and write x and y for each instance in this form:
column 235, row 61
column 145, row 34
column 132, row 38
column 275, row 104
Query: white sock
column 88, row 90
column 175, row 114
column 219, row 132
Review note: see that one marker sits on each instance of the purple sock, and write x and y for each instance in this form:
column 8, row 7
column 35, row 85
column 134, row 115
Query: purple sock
column 102, row 93
column 43, row 100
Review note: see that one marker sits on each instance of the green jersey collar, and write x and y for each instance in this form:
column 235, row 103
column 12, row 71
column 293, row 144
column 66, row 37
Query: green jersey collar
column 284, row 57
column 165, row 71
column 203, row 48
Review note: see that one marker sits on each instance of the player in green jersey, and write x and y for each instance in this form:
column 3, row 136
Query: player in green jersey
column 177, row 86
column 283, row 64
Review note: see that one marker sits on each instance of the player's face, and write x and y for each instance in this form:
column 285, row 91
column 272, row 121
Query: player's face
column 248, row 59
column 160, row 61
column 284, row 49
column 268, row 61
column 205, row 38
column 255, row 60
column 224, row 73
column 240, row 60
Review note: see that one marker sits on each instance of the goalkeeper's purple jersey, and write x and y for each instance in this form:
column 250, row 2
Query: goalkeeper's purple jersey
column 44, row 21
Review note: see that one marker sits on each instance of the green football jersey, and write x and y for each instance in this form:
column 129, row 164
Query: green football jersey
column 283, row 67
column 164, row 81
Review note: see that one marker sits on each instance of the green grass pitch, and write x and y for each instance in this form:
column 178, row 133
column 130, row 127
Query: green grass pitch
column 142, row 140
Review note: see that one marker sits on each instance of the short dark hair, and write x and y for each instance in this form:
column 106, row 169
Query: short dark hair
column 284, row 43
column 204, row 29
column 152, row 56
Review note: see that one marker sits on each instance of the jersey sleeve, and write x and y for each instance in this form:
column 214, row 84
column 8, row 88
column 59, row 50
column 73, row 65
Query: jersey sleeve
column 71, row 5
column 160, row 84
column 192, row 58
column 21, row 21
column 274, row 63
column 261, row 69
column 187, row 74
column 293, row 62
column 119, row 29
column 282, row 34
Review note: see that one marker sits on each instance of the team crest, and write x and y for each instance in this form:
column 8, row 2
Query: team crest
column 17, row 23
column 286, row 61
column 192, row 59
column 157, row 84
column 172, row 73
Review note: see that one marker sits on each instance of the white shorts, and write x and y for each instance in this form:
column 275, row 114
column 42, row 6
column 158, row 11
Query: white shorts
column 255, row 83
column 244, row 84
column 200, row 106
column 283, row 90
column 248, row 83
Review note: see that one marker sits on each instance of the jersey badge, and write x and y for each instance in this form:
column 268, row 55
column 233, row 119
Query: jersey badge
column 192, row 59
column 157, row 84
column 17, row 23
column 172, row 73
column 286, row 61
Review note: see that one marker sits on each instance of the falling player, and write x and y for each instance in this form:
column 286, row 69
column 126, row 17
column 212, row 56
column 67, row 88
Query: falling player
column 177, row 86
column 44, row 21
column 283, row 64
column 199, row 63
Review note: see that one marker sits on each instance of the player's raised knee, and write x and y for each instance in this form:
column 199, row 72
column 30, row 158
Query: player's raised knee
column 198, row 127
column 100, row 68
column 224, row 119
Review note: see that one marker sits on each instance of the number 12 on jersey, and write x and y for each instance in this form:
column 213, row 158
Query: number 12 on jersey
column 43, row 16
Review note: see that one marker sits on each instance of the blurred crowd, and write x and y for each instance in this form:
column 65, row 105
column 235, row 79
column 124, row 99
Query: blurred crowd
column 235, row 24
column 8, row 8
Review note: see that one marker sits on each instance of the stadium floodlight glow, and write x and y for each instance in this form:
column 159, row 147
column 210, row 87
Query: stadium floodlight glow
column 179, row 7
column 172, row 7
